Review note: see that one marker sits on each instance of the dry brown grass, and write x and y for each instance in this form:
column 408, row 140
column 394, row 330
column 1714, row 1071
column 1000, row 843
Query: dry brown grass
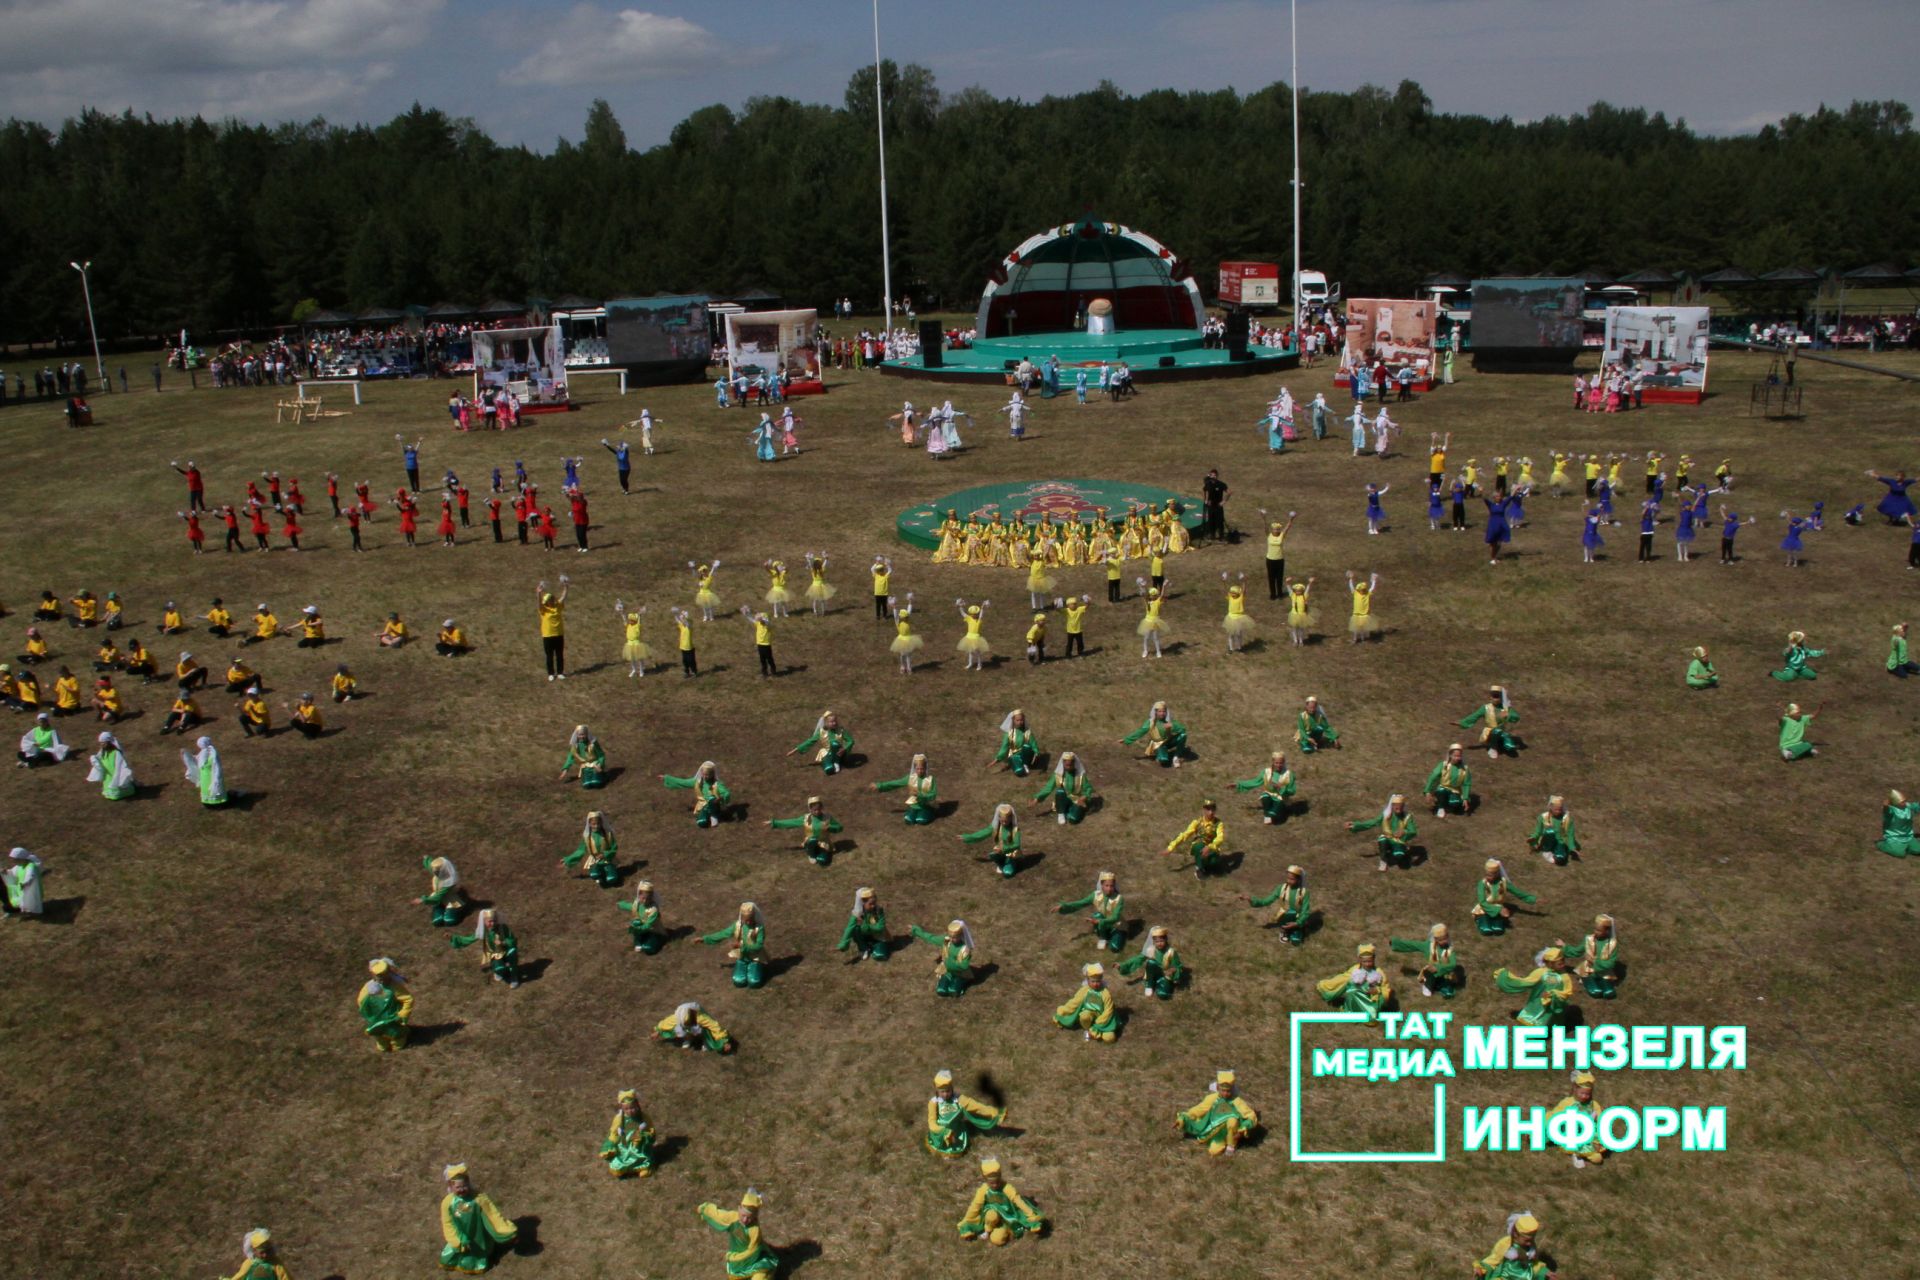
column 184, row 1060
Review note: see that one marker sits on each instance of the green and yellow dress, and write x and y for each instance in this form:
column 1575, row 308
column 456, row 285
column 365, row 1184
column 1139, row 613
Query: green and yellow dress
column 1451, row 786
column 1276, row 787
column 997, row 1209
column 1592, row 1153
column 1109, row 919
column 598, row 848
column 1397, row 831
column 816, row 834
column 1701, row 675
column 1497, row 1265
column 591, row 759
column 475, row 1232
column 1018, row 750
column 1547, row 993
column 1204, row 840
column 1441, row 972
column 1006, row 845
column 1794, row 663
column 1293, row 910
column 749, row 952
column 1166, row 740
column 711, row 797
column 1161, row 969
column 1493, row 721
column 712, row 1037
column 1312, row 731
column 952, row 1122
column 1793, row 737
column 956, row 961
column 643, row 925
column 1072, row 794
column 628, row 1149
column 384, row 1011
column 1554, row 836
column 1489, row 896
column 748, row 1257
column 1599, row 964
column 1221, row 1123
column 499, row 949
column 866, row 934
column 1354, row 991
column 1090, row 1011
column 921, row 794
column 834, row 745
column 445, row 900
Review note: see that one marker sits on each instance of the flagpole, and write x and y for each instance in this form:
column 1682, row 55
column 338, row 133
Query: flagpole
column 880, row 124
column 1293, row 15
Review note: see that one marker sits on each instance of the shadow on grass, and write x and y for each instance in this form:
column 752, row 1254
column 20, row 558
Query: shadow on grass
column 148, row 791
column 527, row 1243
column 981, row 972
column 62, row 910
column 436, row 1031
column 532, row 969
column 777, row 967
column 798, row 1254
column 666, row 1149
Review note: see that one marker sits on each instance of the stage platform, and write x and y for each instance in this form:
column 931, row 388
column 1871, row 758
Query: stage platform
column 1154, row 355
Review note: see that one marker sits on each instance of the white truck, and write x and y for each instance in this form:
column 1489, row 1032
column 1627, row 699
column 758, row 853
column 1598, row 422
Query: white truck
column 1315, row 291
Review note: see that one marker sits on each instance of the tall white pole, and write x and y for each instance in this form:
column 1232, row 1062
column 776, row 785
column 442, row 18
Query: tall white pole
column 880, row 122
column 1293, row 17
column 86, row 291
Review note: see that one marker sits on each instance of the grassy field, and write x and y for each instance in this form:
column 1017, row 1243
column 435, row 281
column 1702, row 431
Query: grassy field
column 183, row 1056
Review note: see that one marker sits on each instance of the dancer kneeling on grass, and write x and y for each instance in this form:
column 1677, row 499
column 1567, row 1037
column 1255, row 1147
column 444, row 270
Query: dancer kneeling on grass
column 1581, row 1100
column 1069, row 788
column 748, row 934
column 1165, row 738
column 690, row 1027
column 1896, row 827
column 1204, row 840
column 1553, row 836
column 1440, row 975
column 1491, row 911
column 474, row 1228
column 1276, row 785
column 643, row 923
column 1794, row 659
column 1294, row 907
column 833, row 740
column 1004, row 832
column 628, row 1149
column 1018, row 747
column 1450, row 784
column 1090, row 1008
column 1700, row 672
column 953, row 1118
column 1108, row 909
column 921, row 791
column 1158, row 965
column 499, row 949
column 1222, row 1119
column 585, row 753
column 598, row 848
column 1515, row 1255
column 816, row 828
column 1312, row 731
column 1793, row 732
column 998, row 1214
column 866, row 931
column 1547, row 988
column 1597, row 958
column 1397, row 830
column 748, row 1257
column 710, row 795
column 261, row 1262
column 1362, row 988
column 955, row 967
column 1494, row 719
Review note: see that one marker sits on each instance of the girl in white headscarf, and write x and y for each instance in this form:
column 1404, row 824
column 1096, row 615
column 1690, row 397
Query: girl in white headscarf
column 111, row 770
column 691, row 1027
column 41, row 744
column 949, row 432
column 204, row 771
column 23, row 885
column 1004, row 832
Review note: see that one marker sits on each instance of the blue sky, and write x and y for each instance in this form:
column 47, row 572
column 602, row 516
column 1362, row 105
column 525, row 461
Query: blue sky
column 526, row 71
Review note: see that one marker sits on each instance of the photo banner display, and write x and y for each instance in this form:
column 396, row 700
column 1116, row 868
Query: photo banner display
column 1528, row 313
column 535, row 356
column 769, row 340
column 1399, row 331
column 644, row 331
column 1668, row 343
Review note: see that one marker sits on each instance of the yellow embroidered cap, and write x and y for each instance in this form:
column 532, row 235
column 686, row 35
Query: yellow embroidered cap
column 1526, row 1223
column 751, row 1200
column 1223, row 1077
column 942, row 1079
column 989, row 1166
column 1093, row 971
column 453, row 1171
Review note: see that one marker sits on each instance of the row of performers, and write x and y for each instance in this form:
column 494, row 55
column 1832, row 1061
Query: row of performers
column 987, row 538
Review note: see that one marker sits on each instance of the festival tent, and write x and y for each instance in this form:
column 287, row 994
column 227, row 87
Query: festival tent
column 1877, row 275
column 1727, row 278
column 1651, row 278
column 1052, row 277
column 531, row 362
column 380, row 315
column 1790, row 276
column 326, row 320
column 500, row 309
column 448, row 312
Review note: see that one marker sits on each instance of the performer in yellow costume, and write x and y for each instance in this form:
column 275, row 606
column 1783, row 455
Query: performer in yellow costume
column 1222, row 1119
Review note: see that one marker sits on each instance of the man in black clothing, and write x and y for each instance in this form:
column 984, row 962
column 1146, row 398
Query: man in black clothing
column 1213, row 496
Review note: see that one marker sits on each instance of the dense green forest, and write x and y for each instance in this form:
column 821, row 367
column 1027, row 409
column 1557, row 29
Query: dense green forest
column 215, row 225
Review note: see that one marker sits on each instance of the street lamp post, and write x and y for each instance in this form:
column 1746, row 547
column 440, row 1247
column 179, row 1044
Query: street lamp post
column 86, row 291
column 880, row 126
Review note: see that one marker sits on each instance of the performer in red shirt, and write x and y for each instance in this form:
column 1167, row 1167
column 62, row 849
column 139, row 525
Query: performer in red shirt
column 333, row 493
column 291, row 528
column 194, row 533
column 409, row 512
column 196, row 485
column 232, row 519
column 353, row 527
column 493, row 517
column 446, row 523
column 547, row 528
column 258, row 523
column 579, row 502
column 460, row 495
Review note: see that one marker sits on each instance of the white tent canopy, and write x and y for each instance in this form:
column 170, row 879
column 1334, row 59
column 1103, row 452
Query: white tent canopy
column 534, row 357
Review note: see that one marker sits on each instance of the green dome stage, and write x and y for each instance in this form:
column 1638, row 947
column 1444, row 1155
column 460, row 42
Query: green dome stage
column 1033, row 500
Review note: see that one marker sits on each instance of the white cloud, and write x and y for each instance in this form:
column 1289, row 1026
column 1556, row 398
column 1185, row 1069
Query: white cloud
column 249, row 59
column 185, row 37
column 593, row 46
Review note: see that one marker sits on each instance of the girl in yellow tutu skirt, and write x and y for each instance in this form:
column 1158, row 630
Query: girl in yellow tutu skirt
column 1151, row 628
column 973, row 644
column 1363, row 624
column 778, row 597
column 905, row 643
column 1039, row 584
column 1300, row 617
column 1237, row 625
column 704, row 597
column 635, row 650
column 819, row 591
